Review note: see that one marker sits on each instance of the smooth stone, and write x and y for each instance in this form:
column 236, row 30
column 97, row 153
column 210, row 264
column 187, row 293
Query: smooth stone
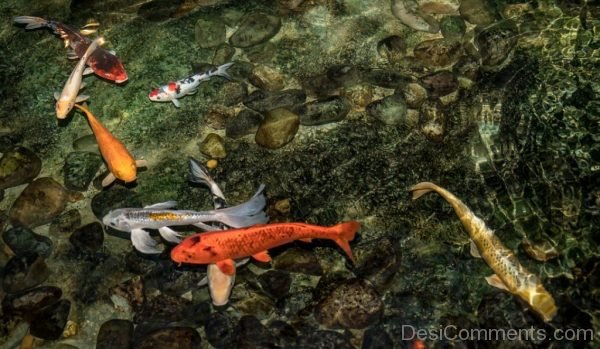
column 240, row 70
column 18, row 166
column 158, row 10
column 275, row 283
column 439, row 83
column 286, row 6
column 321, row 112
column 284, row 334
column 433, row 121
column 162, row 308
column 324, row 339
column 132, row 291
column 252, row 334
column 245, row 123
column 267, row 78
column 344, row 75
column 50, row 322
column 21, row 239
column 263, row 101
column 220, row 330
column 478, row 12
column 66, row 222
column 296, row 303
column 217, row 116
column 453, row 27
column 24, row 271
column 115, row 334
column 277, row 129
column 359, row 96
column 90, row 237
column 172, row 338
column 298, row 260
column 386, row 78
column 262, row 53
column 377, row 338
column 393, row 48
column 116, row 197
column 390, row 110
column 256, row 304
column 496, row 42
column 438, row 52
column 362, row 306
column 40, row 202
column 86, row 143
column 255, row 28
column 210, row 32
column 213, row 146
column 231, row 93
column 9, row 141
column 223, row 54
column 79, row 169
column 438, row 6
column 26, row 303
column 321, row 86
column 415, row 95
column 377, row 262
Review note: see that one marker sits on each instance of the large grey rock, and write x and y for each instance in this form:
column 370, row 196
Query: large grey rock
column 42, row 201
column 18, row 166
column 255, row 28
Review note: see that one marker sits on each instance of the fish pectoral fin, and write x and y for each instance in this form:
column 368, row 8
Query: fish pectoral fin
column 143, row 242
column 474, row 250
column 82, row 85
column 227, row 266
column 88, row 71
column 88, row 31
column 262, row 256
column 109, row 179
column 81, row 98
column 203, row 282
column 494, row 280
column 241, row 262
column 170, row 235
column 141, row 163
column 72, row 55
column 176, row 102
column 306, row 240
column 162, row 205
column 56, row 95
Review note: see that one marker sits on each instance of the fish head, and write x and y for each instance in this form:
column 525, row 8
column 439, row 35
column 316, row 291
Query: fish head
column 117, row 219
column 127, row 172
column 121, row 76
column 159, row 95
column 193, row 250
column 538, row 298
column 63, row 108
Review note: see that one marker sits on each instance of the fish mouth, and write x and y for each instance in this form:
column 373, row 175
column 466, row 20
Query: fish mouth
column 120, row 81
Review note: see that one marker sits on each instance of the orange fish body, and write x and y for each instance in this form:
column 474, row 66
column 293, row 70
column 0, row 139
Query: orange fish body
column 222, row 247
column 118, row 159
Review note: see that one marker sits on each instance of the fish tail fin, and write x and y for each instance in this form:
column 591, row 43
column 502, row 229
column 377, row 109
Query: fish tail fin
column 421, row 189
column 222, row 71
column 344, row 233
column 245, row 214
column 32, row 22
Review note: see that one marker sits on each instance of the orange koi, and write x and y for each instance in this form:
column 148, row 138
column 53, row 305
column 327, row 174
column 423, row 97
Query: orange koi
column 222, row 247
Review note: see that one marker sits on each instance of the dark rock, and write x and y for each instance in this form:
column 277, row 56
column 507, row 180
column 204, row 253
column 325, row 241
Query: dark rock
column 255, row 28
column 116, row 197
column 115, row 334
column 172, row 338
column 210, row 32
column 232, row 93
column 131, row 290
column 252, row 334
column 344, row 75
column 18, row 166
column 223, row 54
column 66, row 222
column 220, row 331
column 285, row 335
column 324, row 340
column 321, row 86
column 39, row 203
column 377, row 261
column 79, row 169
column 386, row 78
column 433, row 121
column 275, row 283
column 377, row 338
column 213, row 146
column 158, row 10
column 361, row 306
column 390, row 110
column 50, row 322
column 453, row 27
column 262, row 53
column 439, row 83
column 478, row 12
column 297, row 260
column 90, row 237
column 256, row 304
column 324, row 111
column 245, row 123
column 438, row 52
column 267, row 78
column 393, row 48
column 21, row 239
column 162, row 309
column 296, row 302
column 415, row 95
column 263, row 101
column 8, row 141
column 26, row 303
column 277, row 129
column 1, row 195
column 496, row 42
column 240, row 70
column 86, row 143
column 24, row 271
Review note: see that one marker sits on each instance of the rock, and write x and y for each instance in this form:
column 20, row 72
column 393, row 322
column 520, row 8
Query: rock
column 390, row 110
column 415, row 95
column 433, row 121
column 115, row 333
column 162, row 309
column 252, row 334
column 453, row 27
column 255, row 304
column 245, row 123
column 266, row 78
column 240, row 70
column 496, row 43
column 79, row 169
column 220, row 331
column 231, row 93
column 50, row 322
column 359, row 96
column 377, row 338
column 210, row 32
column 344, row 75
column 277, row 129
column 39, row 203
column 296, row 303
column 353, row 304
column 540, row 250
column 86, row 143
column 263, row 101
column 438, row 52
column 478, row 12
column 26, row 303
column 217, row 116
column 324, row 339
column 18, row 166
column 223, row 54
column 386, row 78
column 8, row 141
column 158, row 10
column 213, row 146
column 285, row 335
column 325, row 111
column 377, row 262
column 275, row 283
column 438, row 6
column 172, row 338
column 116, row 197
column 132, row 291
column 320, row 86
column 24, row 271
column 21, row 239
column 289, row 5
column 255, row 28
column 298, row 260
column 66, row 222
column 90, row 237
column 514, row 11
column 393, row 48
column 439, row 83
column 263, row 53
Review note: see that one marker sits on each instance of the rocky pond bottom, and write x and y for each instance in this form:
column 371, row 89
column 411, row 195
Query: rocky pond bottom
column 338, row 107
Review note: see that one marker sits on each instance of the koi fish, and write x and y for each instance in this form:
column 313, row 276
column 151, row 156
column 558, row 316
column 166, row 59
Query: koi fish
column 186, row 86
column 121, row 165
column 509, row 275
column 222, row 247
column 70, row 93
column 161, row 215
column 103, row 63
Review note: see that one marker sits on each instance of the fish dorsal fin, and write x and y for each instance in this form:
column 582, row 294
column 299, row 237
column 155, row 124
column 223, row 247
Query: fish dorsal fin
column 494, row 280
column 162, row 205
column 262, row 256
column 227, row 266
column 474, row 250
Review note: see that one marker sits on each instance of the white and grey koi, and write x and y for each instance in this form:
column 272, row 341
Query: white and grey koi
column 174, row 90
column 160, row 216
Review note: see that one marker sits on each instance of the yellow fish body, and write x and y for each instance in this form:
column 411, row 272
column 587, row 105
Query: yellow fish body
column 509, row 275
